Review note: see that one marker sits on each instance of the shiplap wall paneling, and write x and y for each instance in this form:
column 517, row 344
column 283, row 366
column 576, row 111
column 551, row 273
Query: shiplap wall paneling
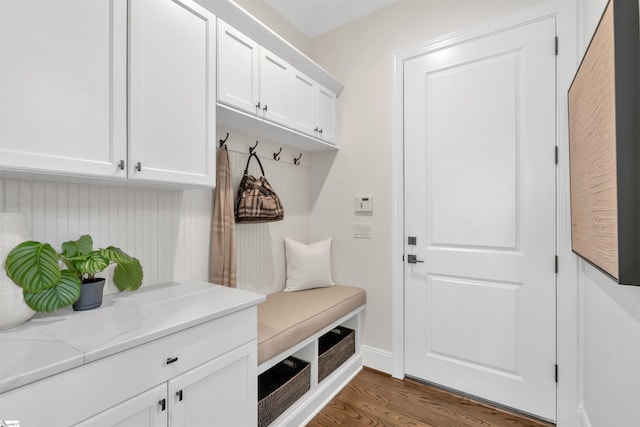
column 166, row 229
column 260, row 247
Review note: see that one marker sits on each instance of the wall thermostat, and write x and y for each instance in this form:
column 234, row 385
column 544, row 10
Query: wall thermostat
column 364, row 203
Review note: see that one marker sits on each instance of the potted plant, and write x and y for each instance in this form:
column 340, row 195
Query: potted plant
column 36, row 268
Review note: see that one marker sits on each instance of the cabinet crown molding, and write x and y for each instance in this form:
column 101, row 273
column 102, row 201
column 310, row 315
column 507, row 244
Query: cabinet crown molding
column 240, row 19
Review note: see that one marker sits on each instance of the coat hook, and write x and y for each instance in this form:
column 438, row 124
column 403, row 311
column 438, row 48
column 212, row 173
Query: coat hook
column 297, row 161
column 224, row 141
column 276, row 156
column 253, row 149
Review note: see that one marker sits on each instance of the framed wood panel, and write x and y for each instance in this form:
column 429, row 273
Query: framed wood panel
column 604, row 146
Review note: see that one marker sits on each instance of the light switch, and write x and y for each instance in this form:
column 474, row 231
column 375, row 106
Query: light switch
column 362, row 231
column 364, row 203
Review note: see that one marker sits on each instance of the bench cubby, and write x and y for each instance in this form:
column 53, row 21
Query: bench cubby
column 280, row 386
column 334, row 348
column 288, row 327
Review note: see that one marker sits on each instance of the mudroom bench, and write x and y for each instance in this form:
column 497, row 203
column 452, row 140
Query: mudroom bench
column 308, row 350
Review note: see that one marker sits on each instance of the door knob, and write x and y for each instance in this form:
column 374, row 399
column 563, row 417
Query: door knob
column 413, row 259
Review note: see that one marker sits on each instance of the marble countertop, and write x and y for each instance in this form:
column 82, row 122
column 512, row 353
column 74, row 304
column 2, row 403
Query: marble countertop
column 52, row 343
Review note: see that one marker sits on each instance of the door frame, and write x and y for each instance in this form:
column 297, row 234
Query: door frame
column 567, row 355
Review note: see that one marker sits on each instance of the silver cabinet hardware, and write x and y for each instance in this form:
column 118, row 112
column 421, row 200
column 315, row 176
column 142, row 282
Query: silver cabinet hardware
column 139, row 167
column 121, row 165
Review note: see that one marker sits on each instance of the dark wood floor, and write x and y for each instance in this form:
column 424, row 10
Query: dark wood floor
column 376, row 399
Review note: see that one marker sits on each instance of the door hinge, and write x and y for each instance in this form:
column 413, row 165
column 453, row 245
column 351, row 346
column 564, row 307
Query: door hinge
column 556, row 154
column 557, row 262
column 556, row 45
column 556, row 373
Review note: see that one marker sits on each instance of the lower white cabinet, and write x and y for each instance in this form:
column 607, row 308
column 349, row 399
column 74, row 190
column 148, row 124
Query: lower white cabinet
column 142, row 410
column 218, row 393
column 192, row 372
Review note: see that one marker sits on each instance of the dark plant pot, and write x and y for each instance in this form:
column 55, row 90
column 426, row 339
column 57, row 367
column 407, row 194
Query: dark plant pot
column 90, row 295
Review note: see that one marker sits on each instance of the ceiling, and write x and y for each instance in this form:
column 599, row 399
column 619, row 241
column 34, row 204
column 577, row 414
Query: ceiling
column 316, row 17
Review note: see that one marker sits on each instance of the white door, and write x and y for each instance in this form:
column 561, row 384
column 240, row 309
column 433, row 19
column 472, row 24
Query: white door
column 480, row 201
column 172, row 86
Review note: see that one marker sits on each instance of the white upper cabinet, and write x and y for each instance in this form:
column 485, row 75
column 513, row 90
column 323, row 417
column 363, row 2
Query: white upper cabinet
column 251, row 78
column 325, row 126
column 63, row 86
column 256, row 84
column 303, row 101
column 237, row 69
column 172, row 92
column 275, row 87
column 313, row 109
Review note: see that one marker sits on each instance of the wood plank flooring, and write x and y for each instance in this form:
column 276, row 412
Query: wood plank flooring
column 376, row 399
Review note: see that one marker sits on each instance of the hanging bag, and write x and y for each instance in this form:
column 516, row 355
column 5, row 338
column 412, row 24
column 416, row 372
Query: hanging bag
column 256, row 200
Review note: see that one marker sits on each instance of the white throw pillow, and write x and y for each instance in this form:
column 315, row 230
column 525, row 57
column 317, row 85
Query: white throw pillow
column 308, row 266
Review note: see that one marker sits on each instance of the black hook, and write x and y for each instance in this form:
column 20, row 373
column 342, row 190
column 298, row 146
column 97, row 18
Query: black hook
column 297, row 161
column 224, row 141
column 252, row 149
column 276, row 156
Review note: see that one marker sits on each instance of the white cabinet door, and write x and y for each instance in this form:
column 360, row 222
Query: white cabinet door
column 303, row 99
column 222, row 392
column 147, row 409
column 63, row 86
column 172, row 92
column 237, row 69
column 325, row 114
column 275, row 88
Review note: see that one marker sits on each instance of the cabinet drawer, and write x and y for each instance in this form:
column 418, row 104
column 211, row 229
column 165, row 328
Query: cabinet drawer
column 77, row 394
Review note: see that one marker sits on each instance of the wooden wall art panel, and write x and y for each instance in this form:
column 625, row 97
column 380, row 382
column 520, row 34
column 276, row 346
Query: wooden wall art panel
column 604, row 139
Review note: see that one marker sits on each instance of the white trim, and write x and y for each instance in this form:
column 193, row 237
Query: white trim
column 567, row 354
column 397, row 220
column 584, row 418
column 377, row 359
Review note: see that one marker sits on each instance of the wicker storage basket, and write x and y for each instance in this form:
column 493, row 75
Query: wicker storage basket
column 280, row 386
column 335, row 347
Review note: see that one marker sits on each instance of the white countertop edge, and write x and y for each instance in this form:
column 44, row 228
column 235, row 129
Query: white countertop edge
column 72, row 356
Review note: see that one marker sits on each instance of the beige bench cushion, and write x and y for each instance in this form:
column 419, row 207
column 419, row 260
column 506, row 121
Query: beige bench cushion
column 286, row 318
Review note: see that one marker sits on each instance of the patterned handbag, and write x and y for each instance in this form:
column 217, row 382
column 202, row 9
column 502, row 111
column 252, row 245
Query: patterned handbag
column 256, row 200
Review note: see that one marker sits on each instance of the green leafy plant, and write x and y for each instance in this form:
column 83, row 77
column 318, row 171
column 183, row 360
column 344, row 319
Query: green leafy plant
column 36, row 268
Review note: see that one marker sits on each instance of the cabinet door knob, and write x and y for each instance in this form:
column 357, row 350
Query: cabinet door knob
column 316, row 129
column 121, row 165
column 163, row 404
column 171, row 360
column 179, row 395
column 320, row 131
column 139, row 167
column 258, row 105
column 265, row 108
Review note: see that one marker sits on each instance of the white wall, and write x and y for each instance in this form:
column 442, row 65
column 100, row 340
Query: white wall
column 360, row 55
column 609, row 318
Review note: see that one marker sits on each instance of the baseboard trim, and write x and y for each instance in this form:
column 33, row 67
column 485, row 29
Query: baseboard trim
column 377, row 359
